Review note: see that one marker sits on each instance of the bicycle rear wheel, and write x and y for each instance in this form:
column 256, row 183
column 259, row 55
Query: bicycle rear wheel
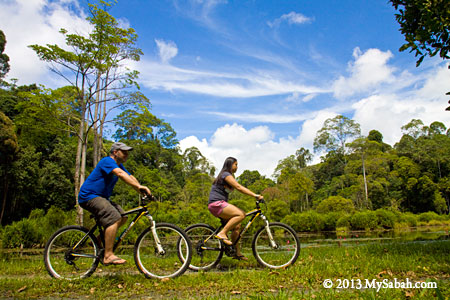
column 71, row 253
column 284, row 250
column 163, row 262
column 207, row 251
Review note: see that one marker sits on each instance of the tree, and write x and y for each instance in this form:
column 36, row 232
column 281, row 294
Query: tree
column 8, row 150
column 425, row 26
column 4, row 59
column 335, row 134
column 141, row 124
column 93, row 67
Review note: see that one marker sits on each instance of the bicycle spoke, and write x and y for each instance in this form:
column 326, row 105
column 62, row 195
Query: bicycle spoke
column 63, row 261
column 277, row 248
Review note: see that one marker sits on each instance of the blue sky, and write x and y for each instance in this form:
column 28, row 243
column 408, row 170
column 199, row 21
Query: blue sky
column 253, row 79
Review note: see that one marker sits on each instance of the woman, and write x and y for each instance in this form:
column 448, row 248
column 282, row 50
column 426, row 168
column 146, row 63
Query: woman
column 218, row 203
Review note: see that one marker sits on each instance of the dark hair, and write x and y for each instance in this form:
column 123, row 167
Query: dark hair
column 227, row 166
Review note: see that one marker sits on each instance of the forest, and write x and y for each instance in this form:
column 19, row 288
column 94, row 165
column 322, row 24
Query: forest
column 51, row 139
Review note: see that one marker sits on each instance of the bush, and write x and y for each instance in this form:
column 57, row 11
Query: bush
column 343, row 221
column 335, row 204
column 22, row 233
column 330, row 220
column 278, row 209
column 364, row 220
column 428, row 216
column 386, row 218
column 409, row 219
column 306, row 221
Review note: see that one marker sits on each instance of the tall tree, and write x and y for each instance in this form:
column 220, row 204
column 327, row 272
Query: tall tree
column 93, row 67
column 335, row 134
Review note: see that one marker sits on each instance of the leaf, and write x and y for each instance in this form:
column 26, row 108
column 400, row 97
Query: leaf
column 165, row 279
column 236, row 292
column 22, row 289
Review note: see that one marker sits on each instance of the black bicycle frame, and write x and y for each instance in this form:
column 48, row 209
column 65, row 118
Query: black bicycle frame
column 254, row 213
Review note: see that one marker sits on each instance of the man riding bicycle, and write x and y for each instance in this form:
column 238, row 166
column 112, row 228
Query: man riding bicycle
column 96, row 190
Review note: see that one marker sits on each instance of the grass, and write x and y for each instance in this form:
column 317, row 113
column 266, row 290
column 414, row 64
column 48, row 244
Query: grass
column 24, row 276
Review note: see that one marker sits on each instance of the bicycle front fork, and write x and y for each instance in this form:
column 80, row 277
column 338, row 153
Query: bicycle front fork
column 273, row 244
column 159, row 247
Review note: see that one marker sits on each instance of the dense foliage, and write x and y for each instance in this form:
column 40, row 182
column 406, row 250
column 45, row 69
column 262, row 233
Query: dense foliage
column 358, row 181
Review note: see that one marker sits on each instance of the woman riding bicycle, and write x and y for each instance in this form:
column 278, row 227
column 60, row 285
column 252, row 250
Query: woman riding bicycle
column 218, row 203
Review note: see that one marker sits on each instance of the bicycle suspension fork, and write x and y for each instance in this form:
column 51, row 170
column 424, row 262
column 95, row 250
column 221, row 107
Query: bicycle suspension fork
column 159, row 247
column 273, row 244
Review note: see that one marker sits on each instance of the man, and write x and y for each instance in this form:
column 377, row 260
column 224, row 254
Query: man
column 96, row 190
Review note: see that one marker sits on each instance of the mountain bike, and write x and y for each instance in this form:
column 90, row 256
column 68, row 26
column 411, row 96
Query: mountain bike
column 74, row 252
column 275, row 245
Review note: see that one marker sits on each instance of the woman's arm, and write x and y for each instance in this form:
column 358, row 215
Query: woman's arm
column 233, row 183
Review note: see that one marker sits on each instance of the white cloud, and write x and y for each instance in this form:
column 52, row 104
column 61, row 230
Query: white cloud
column 155, row 75
column 255, row 149
column 291, row 18
column 27, row 22
column 166, row 50
column 387, row 113
column 265, row 118
column 367, row 73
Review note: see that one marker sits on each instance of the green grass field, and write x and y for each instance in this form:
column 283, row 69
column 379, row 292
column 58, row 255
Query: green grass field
column 23, row 276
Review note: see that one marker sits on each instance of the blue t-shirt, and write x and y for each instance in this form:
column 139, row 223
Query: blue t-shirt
column 220, row 190
column 101, row 181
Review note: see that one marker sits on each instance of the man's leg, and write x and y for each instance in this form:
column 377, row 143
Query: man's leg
column 110, row 236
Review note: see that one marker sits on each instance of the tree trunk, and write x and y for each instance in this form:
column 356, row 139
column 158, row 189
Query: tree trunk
column 5, row 198
column 365, row 181
column 95, row 146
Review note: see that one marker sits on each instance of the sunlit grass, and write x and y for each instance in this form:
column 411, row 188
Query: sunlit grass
column 25, row 276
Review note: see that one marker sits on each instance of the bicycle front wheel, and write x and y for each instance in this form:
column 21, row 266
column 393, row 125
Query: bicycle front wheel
column 277, row 246
column 156, row 253
column 71, row 253
column 207, row 250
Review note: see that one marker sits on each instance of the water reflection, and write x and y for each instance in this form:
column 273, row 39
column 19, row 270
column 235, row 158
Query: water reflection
column 353, row 238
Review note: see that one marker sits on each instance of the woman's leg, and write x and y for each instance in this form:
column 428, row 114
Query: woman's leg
column 234, row 215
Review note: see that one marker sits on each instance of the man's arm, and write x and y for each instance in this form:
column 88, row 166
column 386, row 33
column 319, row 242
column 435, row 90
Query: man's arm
column 131, row 180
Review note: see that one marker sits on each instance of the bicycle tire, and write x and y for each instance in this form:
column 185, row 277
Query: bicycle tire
column 168, row 264
column 63, row 261
column 204, row 259
column 286, row 250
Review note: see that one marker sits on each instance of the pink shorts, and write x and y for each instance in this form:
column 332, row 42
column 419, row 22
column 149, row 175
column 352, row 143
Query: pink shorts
column 217, row 207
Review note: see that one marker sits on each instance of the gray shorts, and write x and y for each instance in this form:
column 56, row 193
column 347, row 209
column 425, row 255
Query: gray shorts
column 107, row 212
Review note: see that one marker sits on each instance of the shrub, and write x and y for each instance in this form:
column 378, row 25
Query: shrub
column 278, row 209
column 364, row 220
column 428, row 216
column 330, row 220
column 335, row 204
column 343, row 221
column 22, row 233
column 306, row 221
column 409, row 219
column 386, row 218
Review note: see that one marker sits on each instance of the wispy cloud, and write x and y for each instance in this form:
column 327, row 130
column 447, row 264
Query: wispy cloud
column 290, row 18
column 264, row 118
column 155, row 75
column 166, row 50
